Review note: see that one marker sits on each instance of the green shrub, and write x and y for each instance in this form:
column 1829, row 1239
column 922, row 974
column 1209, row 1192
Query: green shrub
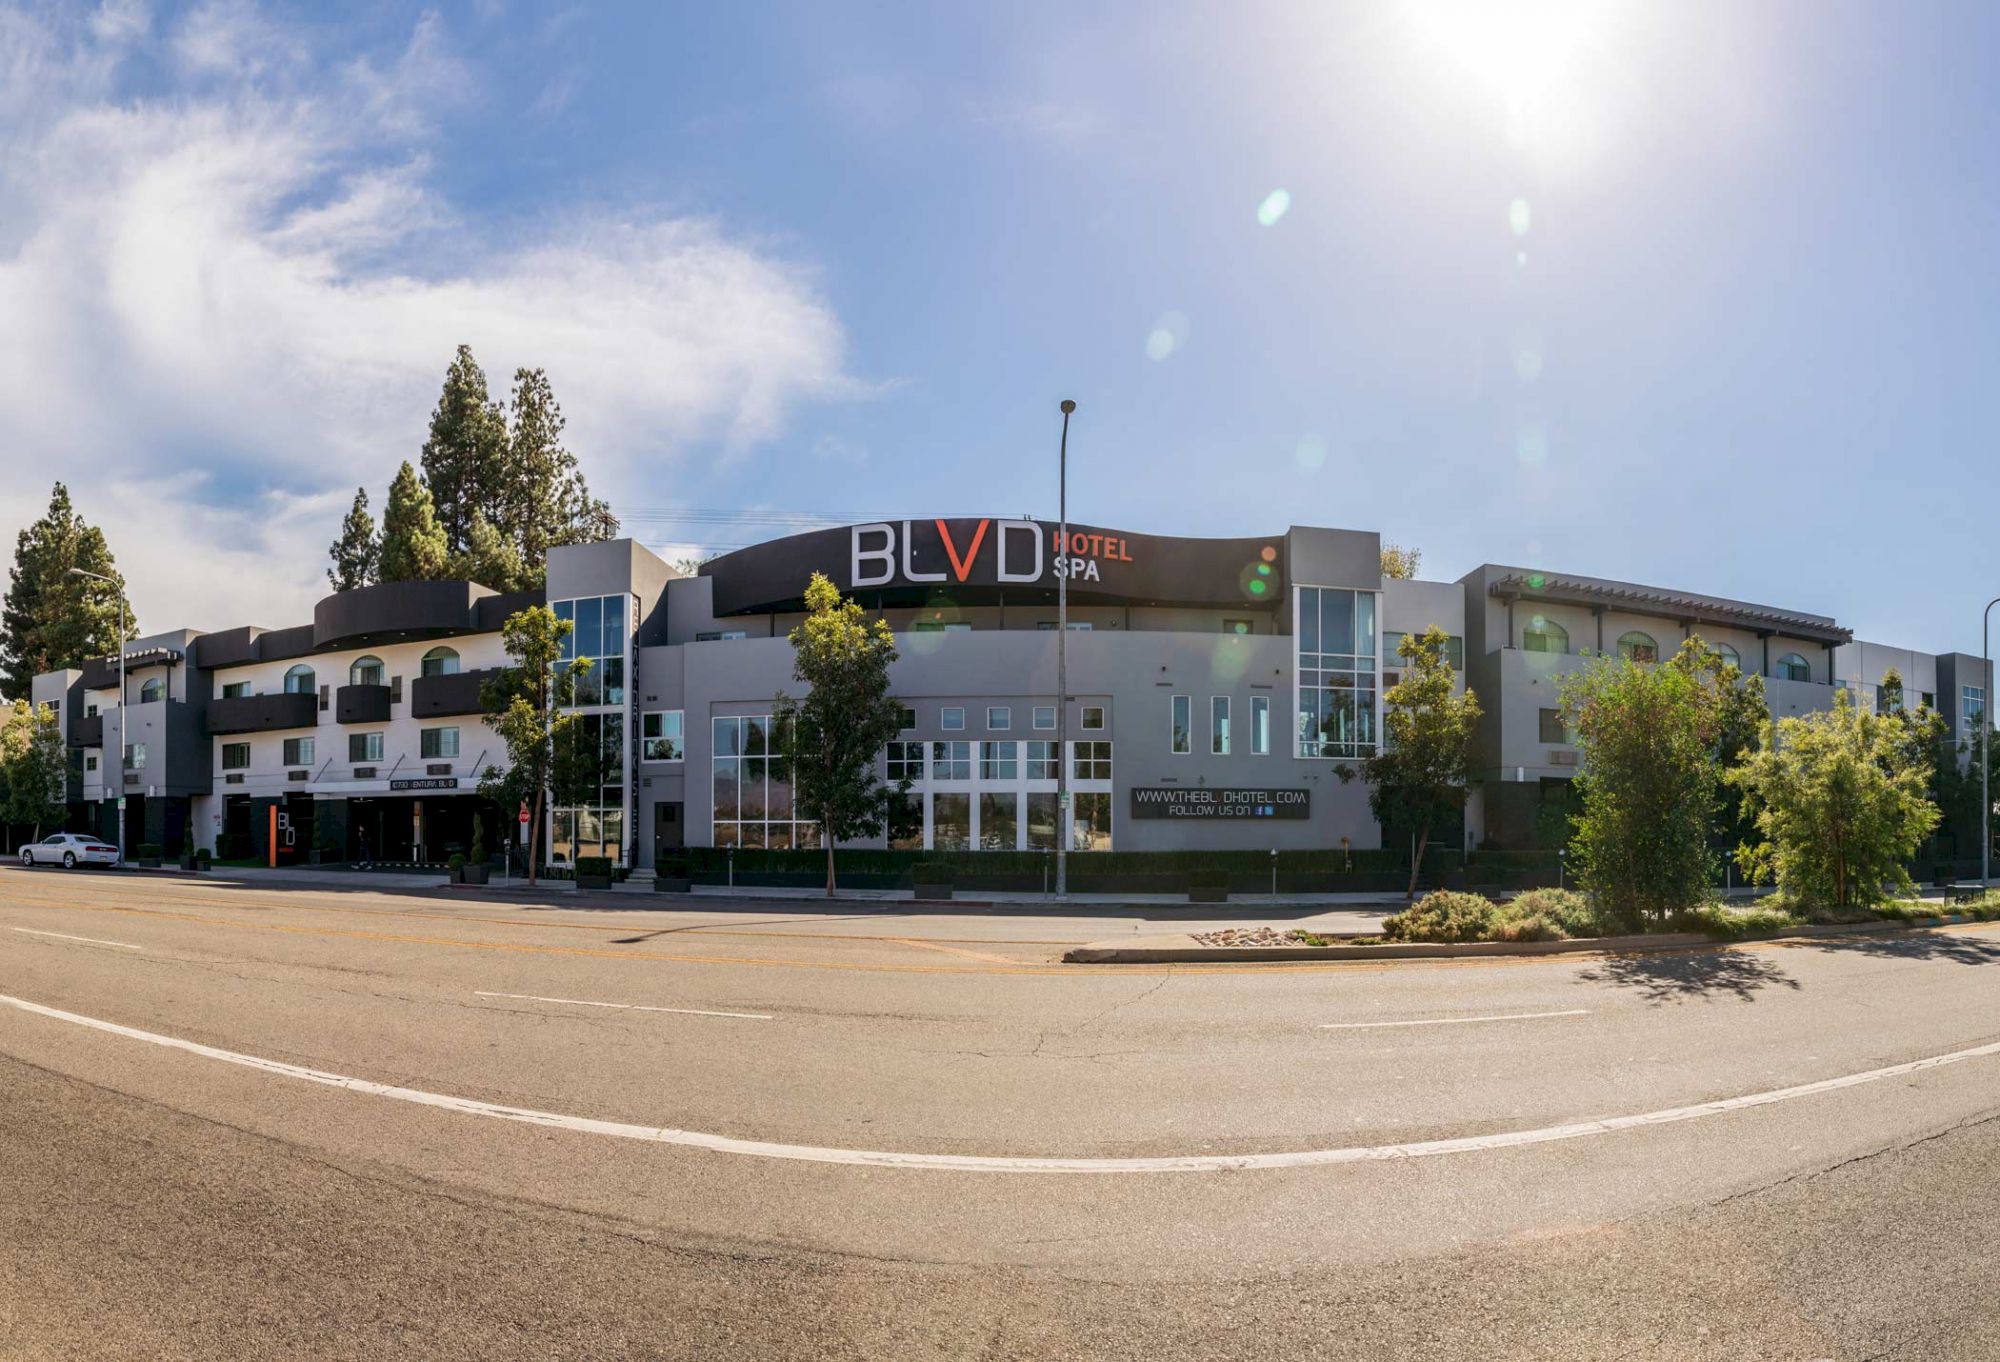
column 933, row 872
column 593, row 865
column 455, row 864
column 1509, row 925
column 202, row 857
column 1732, row 921
column 1569, row 910
column 1445, row 915
column 671, row 868
column 478, row 856
column 1208, row 877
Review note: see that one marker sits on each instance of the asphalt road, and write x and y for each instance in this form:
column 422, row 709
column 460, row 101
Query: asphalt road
column 277, row 1123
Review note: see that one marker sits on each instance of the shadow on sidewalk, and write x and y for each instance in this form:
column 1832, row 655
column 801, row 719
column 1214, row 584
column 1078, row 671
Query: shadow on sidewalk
column 1715, row 973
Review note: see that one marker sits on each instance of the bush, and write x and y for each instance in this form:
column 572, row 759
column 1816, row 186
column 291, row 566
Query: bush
column 1510, row 924
column 202, row 857
column 1444, row 915
column 478, row 856
column 671, row 868
column 148, row 851
column 1208, row 877
column 1574, row 913
column 1732, row 921
column 455, row 864
column 933, row 872
column 593, row 865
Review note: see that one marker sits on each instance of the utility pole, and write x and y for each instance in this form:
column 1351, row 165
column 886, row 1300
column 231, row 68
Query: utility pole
column 120, row 767
column 1063, row 819
column 1985, row 759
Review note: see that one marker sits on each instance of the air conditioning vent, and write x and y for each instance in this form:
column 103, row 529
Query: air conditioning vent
column 233, row 778
column 364, row 773
column 437, row 768
column 1558, row 758
column 298, row 775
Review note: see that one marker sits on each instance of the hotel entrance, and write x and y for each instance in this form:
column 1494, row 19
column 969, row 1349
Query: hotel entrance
column 421, row 829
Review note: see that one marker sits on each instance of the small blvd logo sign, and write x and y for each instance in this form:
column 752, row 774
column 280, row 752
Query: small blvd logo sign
column 884, row 552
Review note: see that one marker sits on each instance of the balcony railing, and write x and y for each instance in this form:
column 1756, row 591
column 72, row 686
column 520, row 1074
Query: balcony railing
column 263, row 713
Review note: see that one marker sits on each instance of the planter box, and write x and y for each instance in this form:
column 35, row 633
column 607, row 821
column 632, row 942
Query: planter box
column 932, row 891
column 1209, row 894
column 457, row 875
column 593, row 881
column 672, row 884
column 149, row 863
column 476, row 874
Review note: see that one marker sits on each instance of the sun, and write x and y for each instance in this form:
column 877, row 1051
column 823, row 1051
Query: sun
column 1540, row 58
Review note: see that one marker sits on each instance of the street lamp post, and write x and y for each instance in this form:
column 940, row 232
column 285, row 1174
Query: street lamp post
column 1985, row 729
column 1063, row 820
column 120, row 766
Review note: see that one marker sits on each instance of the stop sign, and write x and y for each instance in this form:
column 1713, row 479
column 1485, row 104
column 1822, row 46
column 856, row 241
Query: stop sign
column 524, row 811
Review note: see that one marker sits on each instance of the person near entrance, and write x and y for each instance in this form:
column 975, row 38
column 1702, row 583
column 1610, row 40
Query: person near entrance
column 363, row 860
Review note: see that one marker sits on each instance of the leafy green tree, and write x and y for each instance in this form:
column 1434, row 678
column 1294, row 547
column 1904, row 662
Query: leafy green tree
column 37, row 768
column 543, row 501
column 525, row 704
column 830, row 740
column 413, row 547
column 1400, row 564
column 1744, row 711
column 357, row 553
column 1650, row 779
column 52, row 619
column 465, row 455
column 1842, row 803
column 1420, row 774
column 488, row 558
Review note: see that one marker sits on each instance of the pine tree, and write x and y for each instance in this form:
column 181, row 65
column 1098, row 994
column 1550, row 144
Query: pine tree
column 51, row 618
column 544, row 501
column 465, row 458
column 488, row 558
column 357, row 553
column 413, row 547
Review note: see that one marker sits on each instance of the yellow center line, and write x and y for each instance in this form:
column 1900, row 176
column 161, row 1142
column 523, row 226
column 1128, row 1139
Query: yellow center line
column 950, row 950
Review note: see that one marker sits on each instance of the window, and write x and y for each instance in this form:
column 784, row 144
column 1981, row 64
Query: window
column 1729, row 655
column 951, row 761
column 1042, row 763
column 1090, row 761
column 367, row 671
column 1927, row 698
column 1179, row 741
column 951, row 718
column 1093, row 718
column 951, row 822
column 940, row 627
column 90, row 761
column 1239, row 627
column 1260, row 725
column 905, row 761
column 1392, row 644
column 660, row 736
column 908, row 720
column 1638, row 647
column 1075, row 626
column 1045, row 718
column 720, row 635
column 235, row 756
column 153, row 691
column 999, row 819
column 90, row 710
column 439, row 661
column 1335, row 646
column 998, row 761
column 1552, row 730
column 436, row 744
column 1042, row 821
column 299, row 680
column 236, row 690
column 1792, row 667
column 1090, row 827
column 600, row 634
column 364, row 747
column 299, row 751
column 753, row 795
column 906, row 822
column 1544, row 636
column 135, row 755
column 999, row 718
column 1972, row 709
column 1218, row 725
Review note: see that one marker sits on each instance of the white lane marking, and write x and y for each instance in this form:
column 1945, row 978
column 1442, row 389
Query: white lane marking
column 629, row 1007
column 93, row 940
column 1451, row 1021
column 996, row 1163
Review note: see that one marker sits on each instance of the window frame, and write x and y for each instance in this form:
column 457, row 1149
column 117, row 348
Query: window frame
column 235, row 748
column 1084, row 724
column 951, row 719
column 366, row 741
column 1630, row 648
column 1218, row 726
column 426, row 737
column 1260, row 725
column 356, row 668
column 1180, row 725
column 1787, row 671
column 303, row 751
column 1035, row 724
column 300, row 672
column 678, row 739
column 440, row 653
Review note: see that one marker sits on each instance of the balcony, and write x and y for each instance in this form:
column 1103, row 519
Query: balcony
column 86, row 730
column 263, row 713
column 436, row 697
column 361, row 704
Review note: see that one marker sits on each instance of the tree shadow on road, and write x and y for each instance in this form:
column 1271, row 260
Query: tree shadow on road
column 1946, row 946
column 1672, row 978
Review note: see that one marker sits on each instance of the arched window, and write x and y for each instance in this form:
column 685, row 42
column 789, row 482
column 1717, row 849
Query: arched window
column 439, row 662
column 154, row 689
column 299, row 680
column 1729, row 655
column 1639, row 647
column 1544, row 636
column 366, row 671
column 1792, row 667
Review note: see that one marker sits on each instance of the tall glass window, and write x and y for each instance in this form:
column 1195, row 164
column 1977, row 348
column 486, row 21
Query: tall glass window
column 602, row 633
column 753, row 793
column 1218, row 725
column 1260, row 725
column 1179, row 740
column 1972, row 710
column 1335, row 639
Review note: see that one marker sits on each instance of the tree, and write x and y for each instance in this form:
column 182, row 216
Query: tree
column 1650, row 779
column 488, row 558
column 36, row 764
column 542, row 500
column 1740, row 721
column 1842, row 803
column 1420, row 774
column 829, row 741
column 1400, row 564
column 525, row 705
column 413, row 547
column 52, row 619
column 357, row 553
column 465, row 457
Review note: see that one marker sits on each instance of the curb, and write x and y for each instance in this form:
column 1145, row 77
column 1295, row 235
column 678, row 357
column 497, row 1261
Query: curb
column 1185, row 950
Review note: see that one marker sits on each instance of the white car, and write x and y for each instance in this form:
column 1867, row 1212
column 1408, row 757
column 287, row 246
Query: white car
column 70, row 850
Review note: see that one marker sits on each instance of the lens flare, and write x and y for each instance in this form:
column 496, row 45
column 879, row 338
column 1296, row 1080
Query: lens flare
column 1310, row 455
column 1274, row 206
column 1169, row 334
column 1519, row 217
column 1531, row 446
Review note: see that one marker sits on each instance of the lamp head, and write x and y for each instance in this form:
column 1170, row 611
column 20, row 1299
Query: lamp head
column 1068, row 406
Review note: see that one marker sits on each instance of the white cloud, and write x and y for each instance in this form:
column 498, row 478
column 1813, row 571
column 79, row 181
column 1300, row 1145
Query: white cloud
column 224, row 306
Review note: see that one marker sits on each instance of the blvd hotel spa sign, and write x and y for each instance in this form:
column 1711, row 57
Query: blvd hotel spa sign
column 1212, row 801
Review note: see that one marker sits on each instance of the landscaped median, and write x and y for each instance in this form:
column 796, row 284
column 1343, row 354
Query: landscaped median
column 1540, row 922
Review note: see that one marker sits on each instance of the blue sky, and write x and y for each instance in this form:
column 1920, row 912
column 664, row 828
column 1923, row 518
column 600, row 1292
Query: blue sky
column 1700, row 295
